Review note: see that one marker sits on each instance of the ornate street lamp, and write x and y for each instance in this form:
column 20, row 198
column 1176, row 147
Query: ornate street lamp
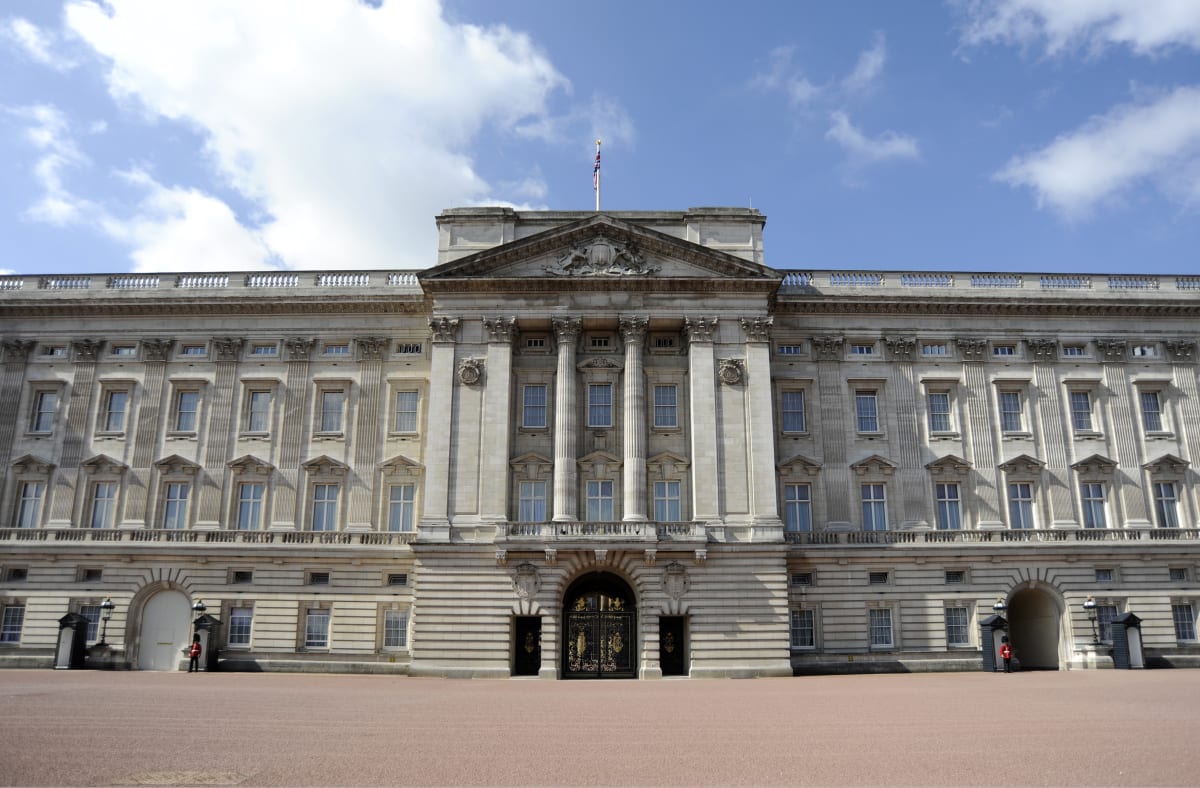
column 106, row 609
column 1000, row 608
column 1089, row 607
column 198, row 607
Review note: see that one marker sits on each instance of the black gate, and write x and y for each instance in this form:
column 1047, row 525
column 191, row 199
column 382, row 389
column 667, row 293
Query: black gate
column 600, row 636
column 671, row 643
column 527, row 646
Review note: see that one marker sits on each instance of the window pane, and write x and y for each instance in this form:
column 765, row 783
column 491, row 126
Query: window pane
column 1185, row 622
column 1104, row 618
column 250, row 500
column 10, row 626
column 797, row 507
column 92, row 614
column 666, row 411
column 45, row 404
column 186, row 406
column 599, row 501
column 406, row 411
column 324, row 516
column 531, row 506
column 1093, row 506
column 792, row 407
column 881, row 627
column 1151, row 411
column 874, row 507
column 1166, row 505
column 331, row 410
column 400, row 507
column 114, row 411
column 956, row 626
column 1020, row 505
column 258, row 415
column 866, row 409
column 240, row 619
column 666, row 502
column 949, row 507
column 939, row 411
column 804, row 629
column 1010, row 411
column 104, row 499
column 29, row 510
column 1081, row 411
column 316, row 629
column 395, row 629
column 175, row 505
column 534, row 407
column 599, row 405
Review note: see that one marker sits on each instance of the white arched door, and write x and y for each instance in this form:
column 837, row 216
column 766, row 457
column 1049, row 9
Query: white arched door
column 166, row 625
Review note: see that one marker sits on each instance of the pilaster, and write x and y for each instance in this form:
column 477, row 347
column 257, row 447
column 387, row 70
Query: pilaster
column 1052, row 436
column 497, row 432
column 914, row 489
column 633, row 333
column 435, row 517
column 979, row 436
column 146, row 438
column 83, row 389
column 834, row 410
column 702, row 382
column 1130, row 494
column 221, row 427
column 760, row 416
column 371, row 416
column 566, row 421
column 294, row 428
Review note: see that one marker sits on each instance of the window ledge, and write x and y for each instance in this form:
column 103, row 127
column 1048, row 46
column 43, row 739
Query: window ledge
column 110, row 434
column 181, row 435
column 1160, row 435
column 1088, row 435
column 1019, row 435
column 403, row 433
column 328, row 436
column 945, row 436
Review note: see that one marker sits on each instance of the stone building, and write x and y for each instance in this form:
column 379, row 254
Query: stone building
column 600, row 445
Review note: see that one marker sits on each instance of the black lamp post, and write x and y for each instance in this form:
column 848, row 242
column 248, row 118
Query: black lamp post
column 1000, row 608
column 1089, row 607
column 106, row 609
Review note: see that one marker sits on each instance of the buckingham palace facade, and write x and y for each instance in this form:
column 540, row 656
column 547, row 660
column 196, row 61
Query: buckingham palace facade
column 600, row 445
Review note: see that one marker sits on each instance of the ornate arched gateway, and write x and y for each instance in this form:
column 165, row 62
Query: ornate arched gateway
column 600, row 632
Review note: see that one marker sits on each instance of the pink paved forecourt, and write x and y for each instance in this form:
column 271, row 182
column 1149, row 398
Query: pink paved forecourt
column 1048, row 729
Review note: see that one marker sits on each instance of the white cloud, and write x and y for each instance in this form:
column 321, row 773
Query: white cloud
column 868, row 68
column 863, row 150
column 49, row 132
column 1145, row 26
column 349, row 126
column 1153, row 142
column 781, row 75
column 36, row 43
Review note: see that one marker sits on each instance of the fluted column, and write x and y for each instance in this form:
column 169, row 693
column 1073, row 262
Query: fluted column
column 222, row 424
column 435, row 516
column 702, row 382
column 294, row 429
column 760, row 416
column 368, row 427
column 565, row 422
column 79, row 405
column 497, row 430
column 633, row 332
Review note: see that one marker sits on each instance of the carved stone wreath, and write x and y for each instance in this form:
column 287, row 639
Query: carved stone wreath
column 470, row 371
column 730, row 371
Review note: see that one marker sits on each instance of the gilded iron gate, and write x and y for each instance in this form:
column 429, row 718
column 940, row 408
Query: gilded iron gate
column 601, row 636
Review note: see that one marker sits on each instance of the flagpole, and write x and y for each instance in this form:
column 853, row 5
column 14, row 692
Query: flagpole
column 596, row 173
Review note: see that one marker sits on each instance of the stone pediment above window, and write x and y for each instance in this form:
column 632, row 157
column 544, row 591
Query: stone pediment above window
column 667, row 464
column 799, row 465
column 1167, row 464
column 531, row 465
column 102, row 463
column 874, row 464
column 401, row 466
column 599, row 463
column 950, row 465
column 249, row 464
column 1096, row 463
column 31, row 463
column 1023, row 465
column 177, row 465
column 601, row 362
column 325, row 466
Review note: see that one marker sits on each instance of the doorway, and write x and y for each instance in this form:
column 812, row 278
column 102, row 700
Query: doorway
column 600, row 632
column 527, row 645
column 1033, row 624
column 166, row 629
column 672, row 645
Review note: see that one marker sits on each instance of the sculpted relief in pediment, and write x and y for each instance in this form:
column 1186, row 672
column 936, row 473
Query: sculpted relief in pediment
column 602, row 257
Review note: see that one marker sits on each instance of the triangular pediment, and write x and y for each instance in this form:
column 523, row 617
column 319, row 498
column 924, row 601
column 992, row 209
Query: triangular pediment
column 1022, row 464
column 950, row 464
column 401, row 466
column 32, row 463
column 874, row 464
column 599, row 247
column 248, row 463
column 102, row 463
column 177, row 464
column 1096, row 463
column 325, row 465
column 799, row 465
column 1168, row 463
column 598, row 459
column 667, row 463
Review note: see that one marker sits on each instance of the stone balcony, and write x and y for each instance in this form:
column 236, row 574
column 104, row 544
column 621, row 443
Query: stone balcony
column 139, row 539
column 644, row 531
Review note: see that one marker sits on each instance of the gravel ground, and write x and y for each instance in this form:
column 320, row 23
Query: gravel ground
column 1055, row 729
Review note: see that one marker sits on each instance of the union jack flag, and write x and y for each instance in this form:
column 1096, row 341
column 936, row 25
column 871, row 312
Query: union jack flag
column 596, row 172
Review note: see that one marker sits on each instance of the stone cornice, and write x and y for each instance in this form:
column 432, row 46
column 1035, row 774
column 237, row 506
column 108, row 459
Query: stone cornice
column 1015, row 305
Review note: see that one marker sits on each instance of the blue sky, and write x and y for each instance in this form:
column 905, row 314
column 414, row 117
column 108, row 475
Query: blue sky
column 1011, row 135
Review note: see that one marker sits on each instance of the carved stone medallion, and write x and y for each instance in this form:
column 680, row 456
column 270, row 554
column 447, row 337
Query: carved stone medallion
column 526, row 580
column 675, row 580
column 470, row 371
column 730, row 371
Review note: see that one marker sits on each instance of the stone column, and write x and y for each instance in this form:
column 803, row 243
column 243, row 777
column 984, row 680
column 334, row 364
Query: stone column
column 981, row 441
column 764, row 496
column 702, row 392
column 79, row 405
column 16, row 361
column 633, row 332
column 565, row 422
column 497, row 430
column 435, row 517
column 293, row 431
column 222, row 426
column 1129, row 494
column 371, row 416
column 836, row 477
column 905, row 439
column 1046, row 401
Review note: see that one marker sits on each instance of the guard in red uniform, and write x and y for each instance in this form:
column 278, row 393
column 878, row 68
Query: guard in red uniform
column 1005, row 654
column 196, row 649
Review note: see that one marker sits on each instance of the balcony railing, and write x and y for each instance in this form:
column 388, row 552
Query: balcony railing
column 799, row 282
column 158, row 535
column 604, row 531
column 1024, row 536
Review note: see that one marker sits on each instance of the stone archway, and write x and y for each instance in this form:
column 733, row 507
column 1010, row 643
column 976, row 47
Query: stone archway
column 165, row 628
column 600, row 632
column 1034, row 627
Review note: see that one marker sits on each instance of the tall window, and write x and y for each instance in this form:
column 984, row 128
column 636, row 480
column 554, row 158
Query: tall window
column 1104, row 618
column 175, row 505
column 866, row 408
column 104, row 504
column 1020, row 505
column 1092, row 494
column 881, row 627
column 115, row 406
column 1152, row 411
column 957, row 630
column 401, row 499
column 11, row 622
column 406, row 410
column 792, row 410
column 797, row 507
column 45, row 404
column 666, row 407
column 600, row 405
column 874, row 507
column 531, row 505
column 316, row 628
column 1010, row 411
column 1166, row 505
column 804, row 630
column 240, row 621
column 1081, row 411
column 187, row 408
column 333, row 402
column 258, row 412
column 1182, row 614
column 395, row 629
column 324, row 508
column 600, row 501
column 939, row 411
column 250, row 502
column 533, row 406
column 29, row 509
column 949, row 507
column 667, row 507
column 92, row 614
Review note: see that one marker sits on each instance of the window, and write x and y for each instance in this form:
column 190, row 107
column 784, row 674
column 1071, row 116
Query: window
column 242, row 576
column 955, row 577
column 11, row 623
column 804, row 630
column 45, row 403
column 193, row 350
column 1182, row 614
column 187, row 408
column 533, row 406
column 104, row 504
column 116, row 404
column 401, row 507
column 240, row 621
column 663, row 342
column 29, row 507
column 789, row 350
column 92, row 614
column 250, row 504
column 866, row 408
column 333, row 403
column 316, row 628
column 1104, row 618
column 1074, row 350
column 881, row 627
column 1166, row 505
column 874, row 507
column 797, row 507
column 175, row 505
column 1152, row 419
column 802, row 578
column 600, row 342
column 957, row 627
column 1178, row 574
column 318, row 578
column 535, row 343
column 1020, row 505
column 337, row 348
column 862, row 349
column 1081, row 411
column 666, row 407
column 877, row 578
column 1104, row 575
column 124, row 351
column 264, row 350
column 939, row 411
column 667, row 508
column 599, row 404
column 599, row 501
column 397, row 579
column 792, row 411
column 1010, row 411
column 949, row 507
column 395, row 629
column 1092, row 494
column 1144, row 351
column 54, row 351
column 16, row 574
column 531, row 505
column 1004, row 350
column 935, row 349
column 90, row 575
column 258, row 411
column 324, row 507
column 408, row 348
column 406, row 410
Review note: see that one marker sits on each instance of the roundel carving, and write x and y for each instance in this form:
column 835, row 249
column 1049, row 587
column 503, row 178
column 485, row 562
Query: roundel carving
column 470, row 370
